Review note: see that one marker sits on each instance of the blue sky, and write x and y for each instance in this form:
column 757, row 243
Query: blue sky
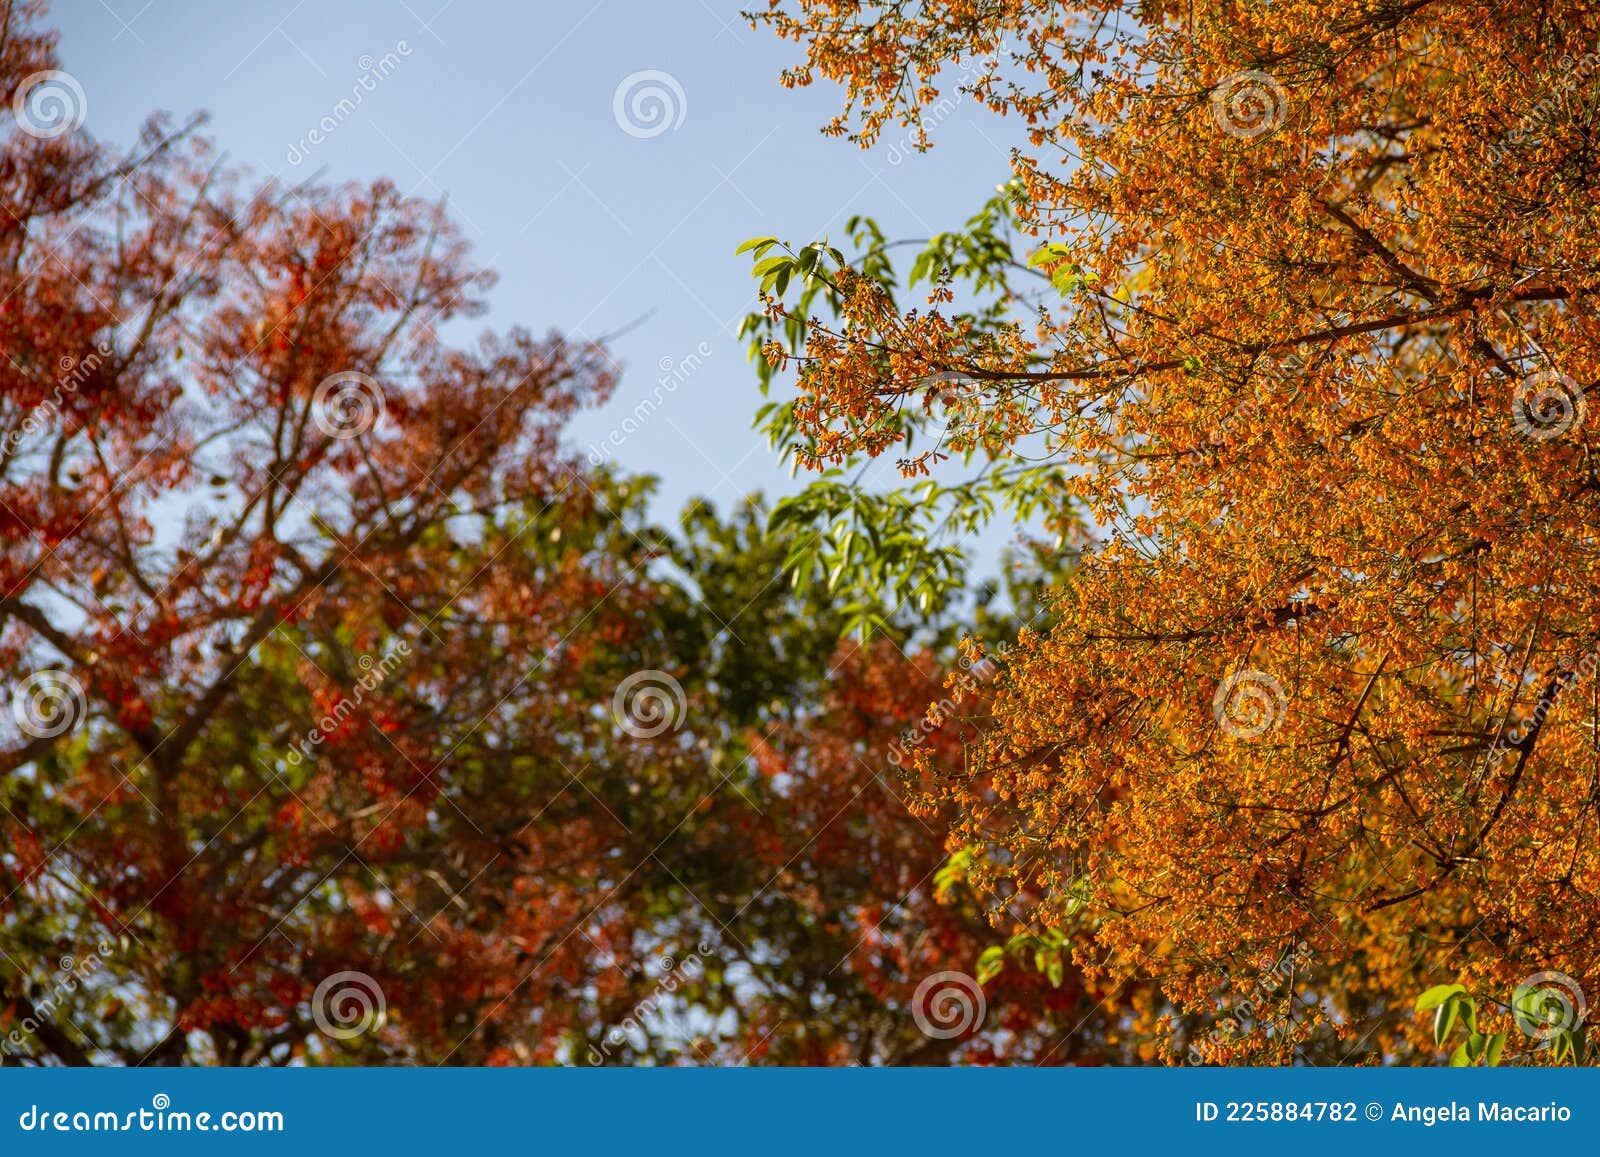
column 508, row 109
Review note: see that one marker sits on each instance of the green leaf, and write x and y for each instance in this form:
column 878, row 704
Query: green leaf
column 1444, row 1020
column 1047, row 254
column 1437, row 995
column 990, row 962
column 1497, row 1043
column 1459, row 1057
column 754, row 243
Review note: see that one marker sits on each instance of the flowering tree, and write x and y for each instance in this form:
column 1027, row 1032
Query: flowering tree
column 1306, row 330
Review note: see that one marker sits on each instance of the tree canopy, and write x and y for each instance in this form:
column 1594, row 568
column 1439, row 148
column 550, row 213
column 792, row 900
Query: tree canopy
column 1298, row 310
column 354, row 716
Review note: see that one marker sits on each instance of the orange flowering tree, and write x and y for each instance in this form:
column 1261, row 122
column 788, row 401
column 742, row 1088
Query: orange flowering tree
column 1300, row 315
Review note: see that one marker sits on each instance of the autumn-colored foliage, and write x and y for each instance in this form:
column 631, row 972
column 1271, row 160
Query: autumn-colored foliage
column 317, row 638
column 353, row 717
column 1308, row 330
